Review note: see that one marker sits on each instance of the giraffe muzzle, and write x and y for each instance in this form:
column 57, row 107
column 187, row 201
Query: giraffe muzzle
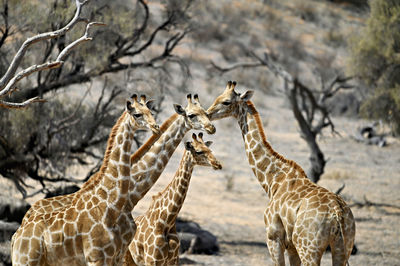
column 217, row 166
column 210, row 129
column 155, row 129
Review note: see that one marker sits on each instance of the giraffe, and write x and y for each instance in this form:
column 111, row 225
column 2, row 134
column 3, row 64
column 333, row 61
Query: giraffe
column 301, row 217
column 156, row 241
column 141, row 111
column 96, row 227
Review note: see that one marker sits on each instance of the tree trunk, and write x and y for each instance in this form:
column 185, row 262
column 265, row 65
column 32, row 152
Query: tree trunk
column 317, row 161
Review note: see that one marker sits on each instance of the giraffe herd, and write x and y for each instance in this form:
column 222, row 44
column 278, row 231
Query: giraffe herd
column 95, row 226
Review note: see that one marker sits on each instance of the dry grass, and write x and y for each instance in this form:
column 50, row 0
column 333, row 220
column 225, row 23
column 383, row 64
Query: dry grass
column 337, row 174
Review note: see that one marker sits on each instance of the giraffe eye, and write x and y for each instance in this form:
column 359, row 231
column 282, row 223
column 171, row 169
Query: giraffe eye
column 226, row 103
column 137, row 115
column 191, row 116
column 199, row 152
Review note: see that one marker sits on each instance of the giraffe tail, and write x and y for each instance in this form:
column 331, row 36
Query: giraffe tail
column 338, row 215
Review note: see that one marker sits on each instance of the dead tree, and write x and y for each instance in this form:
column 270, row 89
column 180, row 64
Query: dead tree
column 309, row 106
column 8, row 83
column 56, row 143
column 77, row 133
column 158, row 34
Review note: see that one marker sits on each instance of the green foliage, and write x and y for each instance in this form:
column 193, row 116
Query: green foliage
column 376, row 60
column 385, row 104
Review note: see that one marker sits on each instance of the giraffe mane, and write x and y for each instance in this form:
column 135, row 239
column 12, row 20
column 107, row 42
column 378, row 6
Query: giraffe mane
column 257, row 118
column 110, row 143
column 153, row 138
column 111, row 139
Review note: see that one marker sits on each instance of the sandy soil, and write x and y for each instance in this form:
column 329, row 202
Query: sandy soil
column 230, row 203
column 235, row 215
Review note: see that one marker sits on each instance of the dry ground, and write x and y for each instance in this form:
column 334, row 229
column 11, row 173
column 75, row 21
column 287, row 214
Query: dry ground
column 230, row 202
column 236, row 215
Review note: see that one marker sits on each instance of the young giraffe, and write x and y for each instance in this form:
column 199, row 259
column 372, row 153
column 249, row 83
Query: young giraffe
column 156, row 241
column 143, row 119
column 97, row 227
column 301, row 216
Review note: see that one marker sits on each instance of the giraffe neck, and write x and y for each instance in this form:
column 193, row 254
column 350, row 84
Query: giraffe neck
column 95, row 178
column 112, row 185
column 270, row 168
column 146, row 171
column 175, row 192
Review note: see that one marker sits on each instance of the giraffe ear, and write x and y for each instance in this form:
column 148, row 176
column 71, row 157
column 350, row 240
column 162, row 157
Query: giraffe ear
column 151, row 105
column 179, row 109
column 188, row 146
column 246, row 96
column 129, row 106
column 208, row 143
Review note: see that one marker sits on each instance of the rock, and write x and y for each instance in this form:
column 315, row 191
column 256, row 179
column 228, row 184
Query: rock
column 369, row 136
column 7, row 230
column 12, row 209
column 195, row 240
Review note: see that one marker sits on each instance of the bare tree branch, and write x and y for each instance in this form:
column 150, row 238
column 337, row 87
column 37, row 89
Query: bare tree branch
column 132, row 46
column 240, row 65
column 368, row 203
column 9, row 80
column 6, row 30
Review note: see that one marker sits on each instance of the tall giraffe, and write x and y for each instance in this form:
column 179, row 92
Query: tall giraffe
column 141, row 111
column 97, row 226
column 301, row 217
column 156, row 241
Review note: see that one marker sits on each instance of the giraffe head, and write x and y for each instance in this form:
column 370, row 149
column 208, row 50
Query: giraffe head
column 228, row 103
column 195, row 115
column 140, row 111
column 201, row 153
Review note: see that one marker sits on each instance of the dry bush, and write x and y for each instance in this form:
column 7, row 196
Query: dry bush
column 334, row 38
column 306, row 10
column 375, row 60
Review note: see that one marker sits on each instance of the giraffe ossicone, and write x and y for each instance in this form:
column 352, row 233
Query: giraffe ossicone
column 302, row 218
column 156, row 241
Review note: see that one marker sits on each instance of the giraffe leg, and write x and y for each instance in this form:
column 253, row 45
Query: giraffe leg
column 294, row 258
column 136, row 254
column 277, row 251
column 275, row 237
column 173, row 251
column 157, row 253
column 310, row 254
column 128, row 260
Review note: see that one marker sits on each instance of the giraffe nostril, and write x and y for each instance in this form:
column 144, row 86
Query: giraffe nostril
column 155, row 129
column 217, row 166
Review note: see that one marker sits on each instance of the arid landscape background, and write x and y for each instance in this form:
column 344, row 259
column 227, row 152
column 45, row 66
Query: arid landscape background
column 310, row 39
